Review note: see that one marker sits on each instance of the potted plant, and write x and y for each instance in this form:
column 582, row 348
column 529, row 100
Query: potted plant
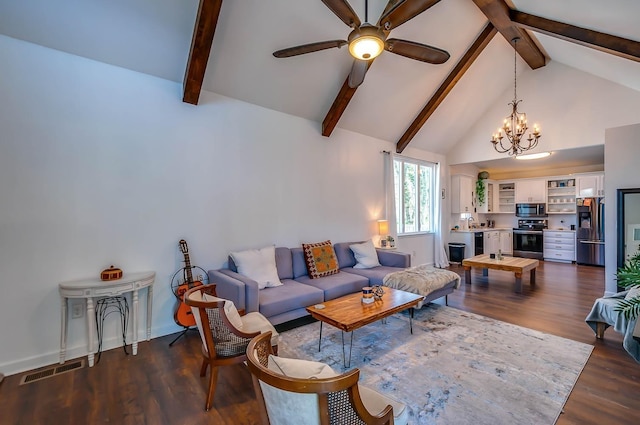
column 628, row 277
column 480, row 186
column 390, row 241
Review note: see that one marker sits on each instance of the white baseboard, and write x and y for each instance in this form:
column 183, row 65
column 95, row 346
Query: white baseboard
column 53, row 357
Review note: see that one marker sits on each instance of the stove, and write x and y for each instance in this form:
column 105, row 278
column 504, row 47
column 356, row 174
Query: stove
column 527, row 238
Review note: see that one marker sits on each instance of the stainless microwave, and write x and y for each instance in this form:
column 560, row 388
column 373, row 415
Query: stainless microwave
column 531, row 210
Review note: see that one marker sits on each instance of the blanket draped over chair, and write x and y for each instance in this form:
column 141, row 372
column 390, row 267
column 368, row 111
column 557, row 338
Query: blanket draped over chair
column 421, row 280
column 603, row 311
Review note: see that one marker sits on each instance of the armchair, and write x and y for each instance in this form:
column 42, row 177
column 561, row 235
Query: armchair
column 603, row 314
column 224, row 332
column 300, row 392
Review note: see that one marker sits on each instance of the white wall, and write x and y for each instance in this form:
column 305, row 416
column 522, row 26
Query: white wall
column 100, row 165
column 572, row 107
column 621, row 152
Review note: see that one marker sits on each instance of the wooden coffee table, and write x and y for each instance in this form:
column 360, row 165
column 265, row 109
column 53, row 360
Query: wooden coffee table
column 349, row 313
column 517, row 265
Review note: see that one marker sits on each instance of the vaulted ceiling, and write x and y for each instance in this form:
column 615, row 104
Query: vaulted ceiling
column 401, row 100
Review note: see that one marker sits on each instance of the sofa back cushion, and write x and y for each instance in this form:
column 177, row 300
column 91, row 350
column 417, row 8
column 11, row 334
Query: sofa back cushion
column 299, row 265
column 283, row 263
column 344, row 254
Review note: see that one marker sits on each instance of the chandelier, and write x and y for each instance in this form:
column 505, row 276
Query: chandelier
column 515, row 125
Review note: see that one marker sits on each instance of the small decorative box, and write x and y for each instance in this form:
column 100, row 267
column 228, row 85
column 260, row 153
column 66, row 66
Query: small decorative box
column 112, row 273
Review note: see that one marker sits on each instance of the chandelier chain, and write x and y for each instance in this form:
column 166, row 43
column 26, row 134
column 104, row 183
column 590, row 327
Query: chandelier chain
column 515, row 125
column 515, row 69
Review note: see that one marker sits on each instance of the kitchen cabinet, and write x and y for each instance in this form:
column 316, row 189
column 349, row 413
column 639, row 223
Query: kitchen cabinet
column 491, row 242
column 561, row 196
column 506, row 198
column 559, row 246
column 590, row 186
column 531, row 191
column 486, row 205
column 498, row 240
column 506, row 241
column 462, row 193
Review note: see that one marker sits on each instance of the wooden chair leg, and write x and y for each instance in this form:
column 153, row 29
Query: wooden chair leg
column 203, row 368
column 600, row 327
column 213, row 377
column 275, row 349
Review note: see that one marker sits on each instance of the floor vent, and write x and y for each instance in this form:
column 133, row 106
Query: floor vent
column 47, row 373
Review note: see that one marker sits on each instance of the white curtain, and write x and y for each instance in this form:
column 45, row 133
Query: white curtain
column 439, row 254
column 390, row 195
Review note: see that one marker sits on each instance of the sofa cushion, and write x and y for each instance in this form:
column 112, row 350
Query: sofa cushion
column 366, row 255
column 290, row 296
column 336, row 285
column 375, row 274
column 259, row 265
column 344, row 254
column 320, row 259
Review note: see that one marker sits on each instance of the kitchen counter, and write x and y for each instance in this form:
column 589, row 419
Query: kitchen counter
column 559, row 229
column 483, row 229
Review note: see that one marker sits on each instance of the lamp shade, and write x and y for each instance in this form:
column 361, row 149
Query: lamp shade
column 383, row 227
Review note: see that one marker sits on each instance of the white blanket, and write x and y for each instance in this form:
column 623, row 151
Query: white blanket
column 421, row 280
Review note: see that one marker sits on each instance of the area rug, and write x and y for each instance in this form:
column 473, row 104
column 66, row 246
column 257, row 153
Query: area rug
column 456, row 368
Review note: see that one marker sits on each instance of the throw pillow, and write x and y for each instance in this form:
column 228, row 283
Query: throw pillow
column 259, row 265
column 230, row 310
column 302, row 369
column 320, row 258
column 366, row 255
column 633, row 293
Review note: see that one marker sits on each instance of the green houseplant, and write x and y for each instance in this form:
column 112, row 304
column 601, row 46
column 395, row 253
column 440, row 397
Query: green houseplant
column 480, row 186
column 628, row 277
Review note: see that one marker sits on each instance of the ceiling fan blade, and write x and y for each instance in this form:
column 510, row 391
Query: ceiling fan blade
column 358, row 70
column 417, row 51
column 343, row 10
column 400, row 12
column 308, row 48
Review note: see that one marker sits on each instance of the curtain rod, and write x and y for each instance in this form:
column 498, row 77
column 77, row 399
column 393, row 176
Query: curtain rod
column 408, row 157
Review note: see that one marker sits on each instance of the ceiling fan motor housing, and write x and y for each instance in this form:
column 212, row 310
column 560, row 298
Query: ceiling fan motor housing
column 366, row 42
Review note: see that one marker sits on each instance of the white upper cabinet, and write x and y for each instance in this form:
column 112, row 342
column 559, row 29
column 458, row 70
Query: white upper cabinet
column 462, row 193
column 528, row 191
column 486, row 204
column 590, row 186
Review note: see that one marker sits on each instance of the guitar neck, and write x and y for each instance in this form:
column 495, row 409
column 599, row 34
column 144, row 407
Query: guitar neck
column 187, row 266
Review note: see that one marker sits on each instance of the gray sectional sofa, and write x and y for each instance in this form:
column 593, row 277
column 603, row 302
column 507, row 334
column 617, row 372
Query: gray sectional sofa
column 288, row 302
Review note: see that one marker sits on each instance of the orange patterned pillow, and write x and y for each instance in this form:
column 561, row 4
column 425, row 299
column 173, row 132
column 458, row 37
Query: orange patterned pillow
column 320, row 258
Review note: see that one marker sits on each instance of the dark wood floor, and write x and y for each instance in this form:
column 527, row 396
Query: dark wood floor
column 161, row 385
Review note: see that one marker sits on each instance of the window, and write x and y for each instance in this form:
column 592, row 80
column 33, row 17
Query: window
column 414, row 183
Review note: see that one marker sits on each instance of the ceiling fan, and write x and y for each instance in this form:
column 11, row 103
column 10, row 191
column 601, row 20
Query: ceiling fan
column 367, row 41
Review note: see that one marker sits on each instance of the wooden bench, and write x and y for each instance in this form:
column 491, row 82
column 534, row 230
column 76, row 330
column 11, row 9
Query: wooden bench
column 517, row 265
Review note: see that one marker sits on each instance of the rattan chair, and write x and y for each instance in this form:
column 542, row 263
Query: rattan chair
column 225, row 333
column 323, row 399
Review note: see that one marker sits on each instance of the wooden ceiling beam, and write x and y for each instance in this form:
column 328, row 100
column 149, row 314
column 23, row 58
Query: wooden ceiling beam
column 203, row 31
column 498, row 13
column 447, row 85
column 603, row 42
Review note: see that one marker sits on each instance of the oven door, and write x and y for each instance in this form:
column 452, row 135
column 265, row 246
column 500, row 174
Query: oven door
column 527, row 243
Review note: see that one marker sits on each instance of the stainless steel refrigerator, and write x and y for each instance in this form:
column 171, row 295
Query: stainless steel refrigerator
column 590, row 231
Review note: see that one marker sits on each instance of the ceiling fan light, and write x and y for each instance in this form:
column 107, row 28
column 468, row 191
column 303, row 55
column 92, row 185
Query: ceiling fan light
column 366, row 47
column 366, row 42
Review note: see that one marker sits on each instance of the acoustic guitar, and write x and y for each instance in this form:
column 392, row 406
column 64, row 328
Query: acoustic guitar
column 183, row 314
